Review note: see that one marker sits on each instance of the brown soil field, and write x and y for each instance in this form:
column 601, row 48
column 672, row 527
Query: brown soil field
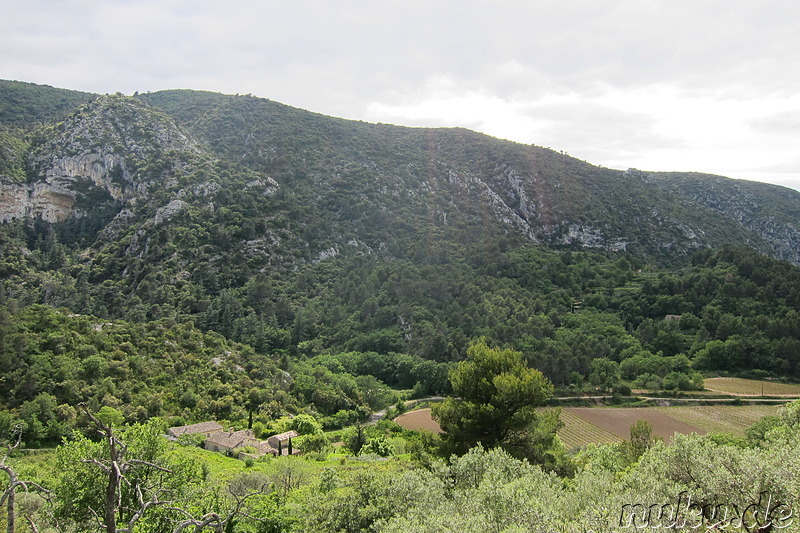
column 417, row 420
column 578, row 433
column 751, row 387
column 618, row 420
column 602, row 425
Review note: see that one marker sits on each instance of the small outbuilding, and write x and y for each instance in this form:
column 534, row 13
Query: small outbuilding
column 281, row 440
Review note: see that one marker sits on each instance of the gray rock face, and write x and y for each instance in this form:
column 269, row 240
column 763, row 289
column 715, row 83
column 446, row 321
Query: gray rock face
column 95, row 167
column 770, row 213
column 168, row 211
column 53, row 198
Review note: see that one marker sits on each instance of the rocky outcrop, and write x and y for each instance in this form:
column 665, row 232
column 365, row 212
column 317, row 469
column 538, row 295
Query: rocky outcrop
column 114, row 144
column 54, row 197
column 51, row 202
column 107, row 171
column 168, row 211
column 769, row 213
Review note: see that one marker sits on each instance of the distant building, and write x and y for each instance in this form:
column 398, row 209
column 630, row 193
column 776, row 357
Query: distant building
column 218, row 440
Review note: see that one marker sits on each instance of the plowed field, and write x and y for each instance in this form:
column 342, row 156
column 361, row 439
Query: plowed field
column 618, row 421
column 417, row 420
column 602, row 425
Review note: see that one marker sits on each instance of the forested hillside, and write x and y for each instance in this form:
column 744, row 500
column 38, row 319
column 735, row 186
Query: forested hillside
column 184, row 256
column 306, row 237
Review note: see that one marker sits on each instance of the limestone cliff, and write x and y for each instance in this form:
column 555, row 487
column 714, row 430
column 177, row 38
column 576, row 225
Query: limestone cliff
column 112, row 149
column 51, row 202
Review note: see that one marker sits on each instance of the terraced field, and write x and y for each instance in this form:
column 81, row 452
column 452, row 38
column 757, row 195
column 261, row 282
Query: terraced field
column 604, row 425
column 578, row 432
column 618, row 421
column 751, row 387
column 730, row 419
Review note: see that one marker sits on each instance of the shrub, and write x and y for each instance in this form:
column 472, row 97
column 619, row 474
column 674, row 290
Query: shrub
column 192, row 439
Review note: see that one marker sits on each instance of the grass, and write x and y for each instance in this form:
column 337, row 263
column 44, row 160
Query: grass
column 222, row 469
column 219, row 466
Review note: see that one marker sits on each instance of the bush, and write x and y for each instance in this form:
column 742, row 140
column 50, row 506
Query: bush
column 313, row 443
column 677, row 381
column 354, row 439
column 622, row 389
column 192, row 439
column 378, row 445
column 305, row 425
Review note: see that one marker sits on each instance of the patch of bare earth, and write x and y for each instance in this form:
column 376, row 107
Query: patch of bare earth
column 419, row 420
column 619, row 420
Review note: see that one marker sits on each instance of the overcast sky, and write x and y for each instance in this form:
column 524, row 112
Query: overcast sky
column 701, row 85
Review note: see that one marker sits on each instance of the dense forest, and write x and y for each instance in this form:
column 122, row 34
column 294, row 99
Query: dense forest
column 405, row 325
column 177, row 257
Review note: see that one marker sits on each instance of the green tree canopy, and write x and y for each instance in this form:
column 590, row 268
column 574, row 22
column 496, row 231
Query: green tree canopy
column 494, row 403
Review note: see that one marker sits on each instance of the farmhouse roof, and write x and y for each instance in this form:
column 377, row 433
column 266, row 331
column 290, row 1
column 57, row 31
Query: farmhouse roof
column 202, row 427
column 231, row 440
column 264, row 448
column 285, row 436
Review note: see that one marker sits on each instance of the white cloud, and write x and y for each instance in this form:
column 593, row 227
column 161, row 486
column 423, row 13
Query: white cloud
column 708, row 85
column 655, row 127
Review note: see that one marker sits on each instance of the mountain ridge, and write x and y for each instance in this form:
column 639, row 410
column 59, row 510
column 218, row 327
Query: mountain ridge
column 369, row 183
column 510, row 189
column 306, row 236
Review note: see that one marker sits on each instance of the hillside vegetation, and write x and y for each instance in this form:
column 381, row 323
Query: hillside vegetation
column 183, row 256
column 372, row 250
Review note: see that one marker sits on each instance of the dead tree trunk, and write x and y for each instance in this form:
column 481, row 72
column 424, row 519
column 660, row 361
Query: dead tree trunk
column 9, row 496
column 118, row 465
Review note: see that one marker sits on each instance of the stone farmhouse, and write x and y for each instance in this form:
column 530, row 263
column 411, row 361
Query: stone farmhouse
column 281, row 441
column 218, row 440
column 228, row 441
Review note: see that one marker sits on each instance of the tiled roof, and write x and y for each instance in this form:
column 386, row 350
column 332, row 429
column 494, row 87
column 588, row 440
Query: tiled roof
column 202, row 427
column 284, row 436
column 235, row 439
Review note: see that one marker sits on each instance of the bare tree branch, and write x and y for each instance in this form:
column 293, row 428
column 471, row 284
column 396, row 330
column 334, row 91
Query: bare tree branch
column 214, row 520
column 31, row 524
column 151, row 465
